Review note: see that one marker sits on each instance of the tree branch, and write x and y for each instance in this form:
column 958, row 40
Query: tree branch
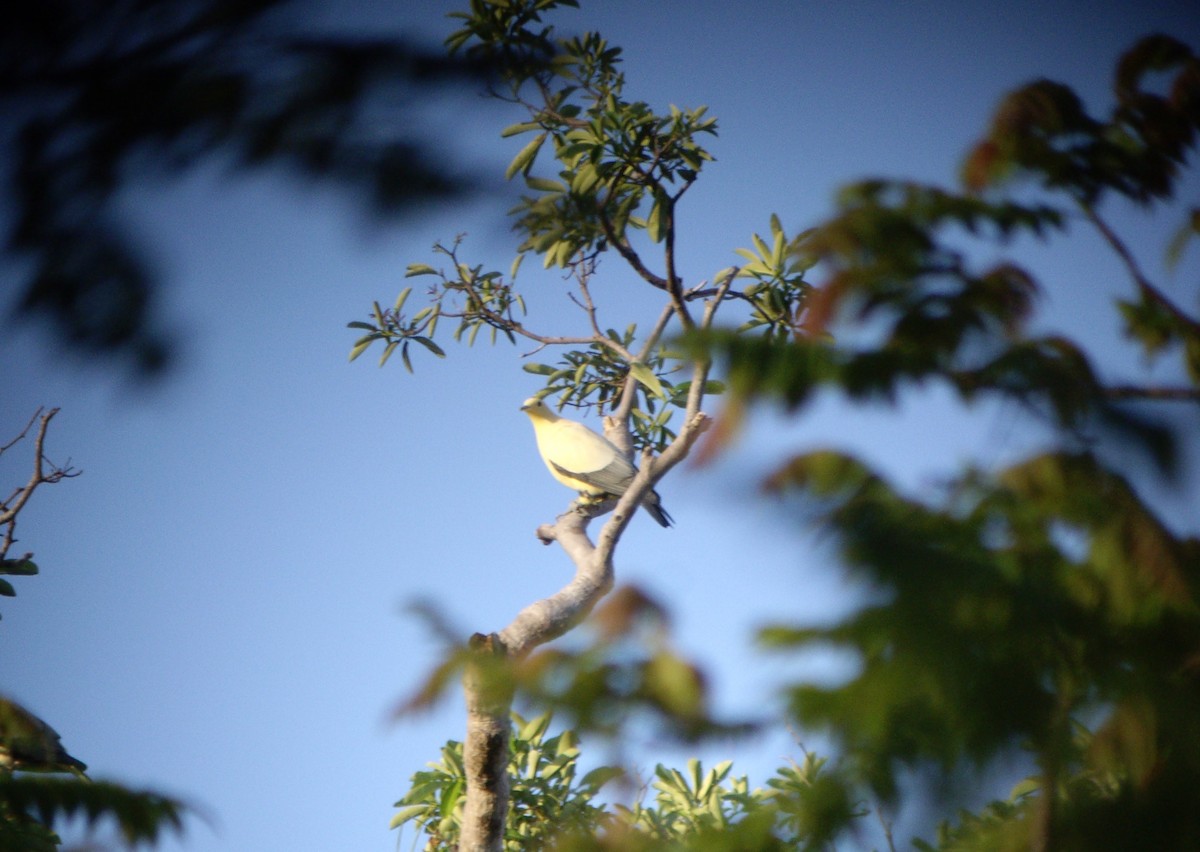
column 631, row 257
column 485, row 747
column 674, row 286
column 702, row 366
column 12, row 507
column 1159, row 393
column 1148, row 290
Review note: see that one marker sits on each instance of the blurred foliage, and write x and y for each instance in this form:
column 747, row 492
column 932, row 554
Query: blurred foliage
column 31, row 806
column 621, row 665
column 95, row 97
column 1044, row 606
column 617, row 172
column 801, row 807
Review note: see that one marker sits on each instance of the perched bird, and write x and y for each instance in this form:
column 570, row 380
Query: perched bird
column 585, row 461
column 30, row 745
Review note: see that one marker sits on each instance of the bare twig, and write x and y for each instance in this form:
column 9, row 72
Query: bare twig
column 44, row 472
column 674, row 285
column 886, row 825
column 631, row 257
column 508, row 324
column 21, row 436
column 587, row 304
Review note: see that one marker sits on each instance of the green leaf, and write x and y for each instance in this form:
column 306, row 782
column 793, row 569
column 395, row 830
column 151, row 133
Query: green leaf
column 544, row 184
column 763, row 251
column 430, row 345
column 655, row 227
column 18, row 567
column 517, row 129
column 585, row 179
column 415, row 269
column 533, row 730
column 6, row 589
column 361, row 346
column 1182, row 237
column 400, row 300
column 538, row 369
column 405, row 814
column 675, row 685
column 525, row 157
column 387, row 351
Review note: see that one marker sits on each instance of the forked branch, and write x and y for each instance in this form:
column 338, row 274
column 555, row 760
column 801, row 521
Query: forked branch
column 44, row 472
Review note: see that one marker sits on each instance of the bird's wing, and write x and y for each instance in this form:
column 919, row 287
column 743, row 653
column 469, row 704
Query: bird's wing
column 613, row 478
column 574, row 450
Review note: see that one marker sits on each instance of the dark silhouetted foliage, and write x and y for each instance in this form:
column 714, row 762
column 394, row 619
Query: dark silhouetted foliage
column 96, row 96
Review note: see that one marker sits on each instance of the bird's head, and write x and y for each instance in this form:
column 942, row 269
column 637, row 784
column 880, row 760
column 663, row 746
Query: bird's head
column 536, row 408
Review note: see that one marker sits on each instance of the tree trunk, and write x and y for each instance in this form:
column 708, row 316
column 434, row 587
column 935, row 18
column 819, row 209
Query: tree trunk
column 485, row 749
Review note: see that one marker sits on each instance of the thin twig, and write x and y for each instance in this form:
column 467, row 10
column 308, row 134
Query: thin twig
column 1162, row 393
column 23, row 433
column 887, row 829
column 1143, row 283
column 631, row 257
column 20, row 497
column 674, row 287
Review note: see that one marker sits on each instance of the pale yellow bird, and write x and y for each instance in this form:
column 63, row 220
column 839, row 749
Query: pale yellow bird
column 583, row 460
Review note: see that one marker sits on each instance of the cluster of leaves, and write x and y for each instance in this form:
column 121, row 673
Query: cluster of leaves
column 475, row 298
column 802, row 806
column 1044, row 606
column 548, row 797
column 778, row 297
column 94, row 95
column 620, row 168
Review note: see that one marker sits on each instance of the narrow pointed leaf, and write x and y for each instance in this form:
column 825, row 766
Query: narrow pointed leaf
column 525, row 157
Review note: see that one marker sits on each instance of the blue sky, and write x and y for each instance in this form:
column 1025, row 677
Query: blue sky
column 220, row 609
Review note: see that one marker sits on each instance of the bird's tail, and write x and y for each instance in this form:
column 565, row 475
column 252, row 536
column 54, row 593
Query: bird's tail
column 653, row 506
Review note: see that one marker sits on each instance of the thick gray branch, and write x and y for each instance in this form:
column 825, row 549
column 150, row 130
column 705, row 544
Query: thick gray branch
column 485, row 749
